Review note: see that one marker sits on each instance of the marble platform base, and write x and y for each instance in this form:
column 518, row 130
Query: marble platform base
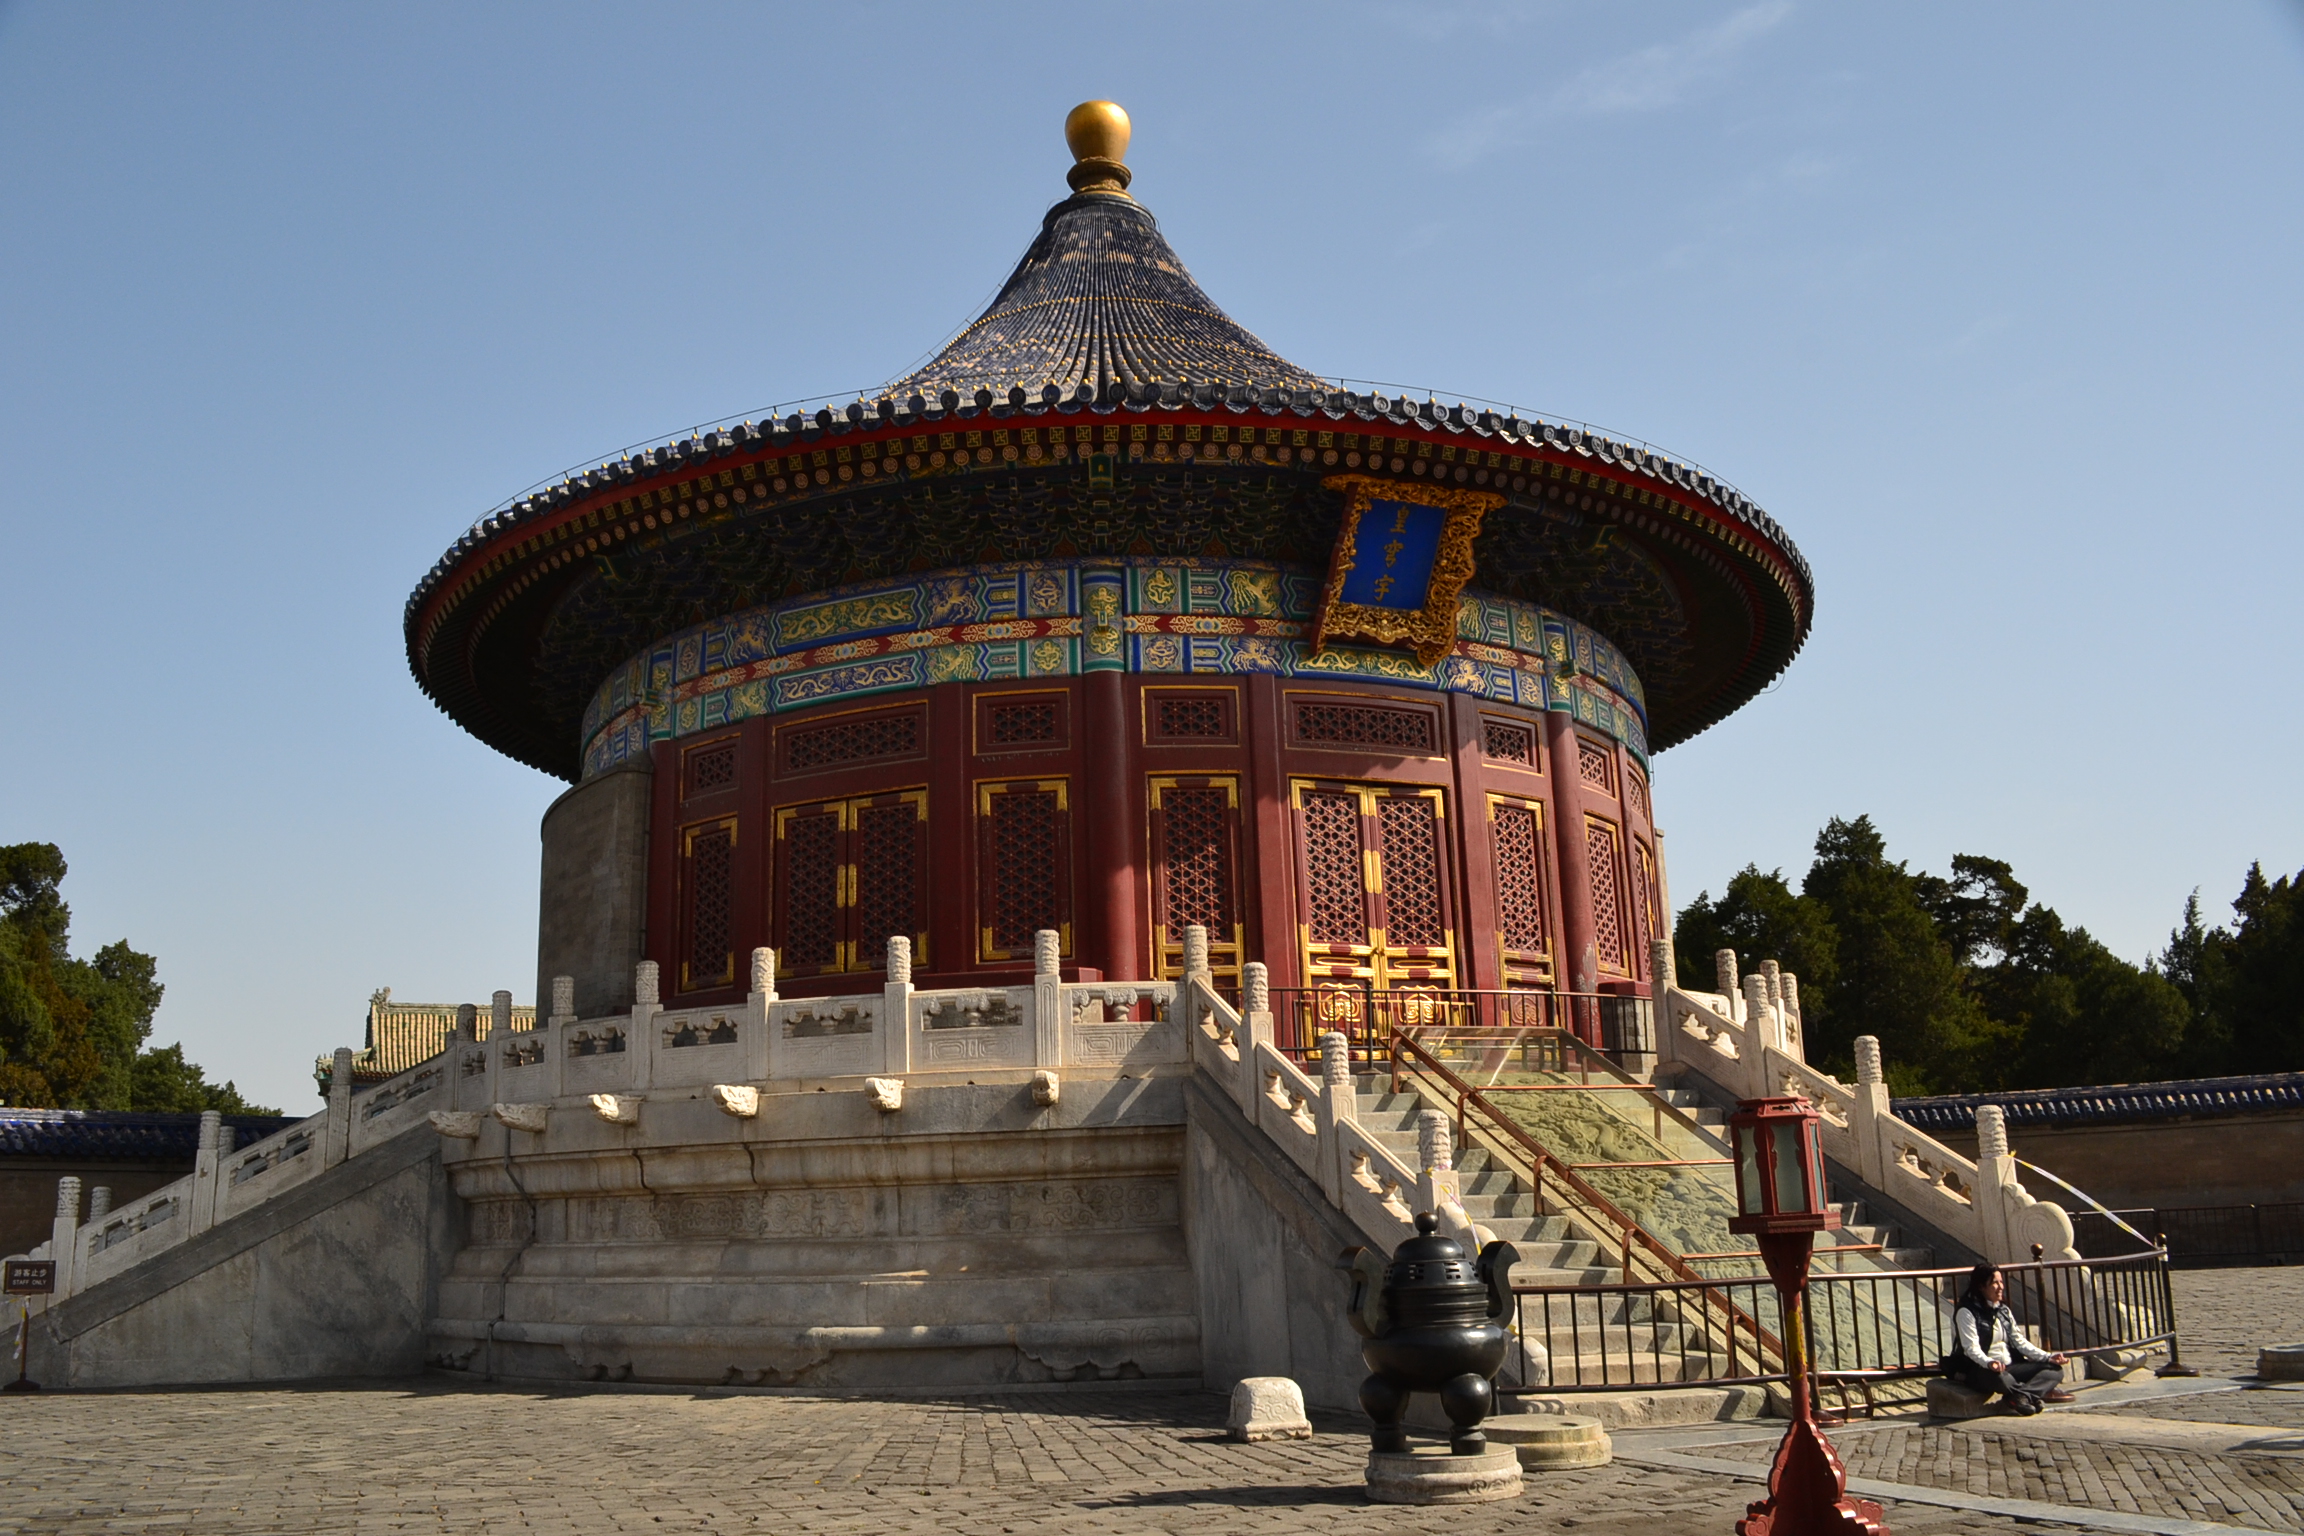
column 1552, row 1442
column 1433, row 1476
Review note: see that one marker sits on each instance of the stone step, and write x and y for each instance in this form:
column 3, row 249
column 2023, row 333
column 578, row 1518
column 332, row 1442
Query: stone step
column 1650, row 1408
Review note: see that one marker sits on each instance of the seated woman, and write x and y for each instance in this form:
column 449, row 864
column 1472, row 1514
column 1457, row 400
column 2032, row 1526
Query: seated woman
column 1994, row 1356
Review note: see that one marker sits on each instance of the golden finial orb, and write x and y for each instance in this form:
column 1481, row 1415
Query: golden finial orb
column 1097, row 132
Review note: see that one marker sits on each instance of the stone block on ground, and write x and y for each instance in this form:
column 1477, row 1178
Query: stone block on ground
column 2280, row 1362
column 1652, row 1409
column 1268, row 1408
column 1552, row 1442
column 1431, row 1475
column 1949, row 1399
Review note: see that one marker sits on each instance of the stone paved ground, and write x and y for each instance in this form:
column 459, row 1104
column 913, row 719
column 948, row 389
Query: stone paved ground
column 2262, row 1492
column 439, row 1456
column 2280, row 1407
column 435, row 1457
column 2223, row 1316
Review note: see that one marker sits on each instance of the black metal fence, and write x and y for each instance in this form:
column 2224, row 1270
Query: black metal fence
column 2200, row 1234
column 1861, row 1327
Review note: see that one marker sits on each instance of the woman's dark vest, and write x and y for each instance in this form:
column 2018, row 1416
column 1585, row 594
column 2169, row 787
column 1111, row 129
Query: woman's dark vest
column 1987, row 1318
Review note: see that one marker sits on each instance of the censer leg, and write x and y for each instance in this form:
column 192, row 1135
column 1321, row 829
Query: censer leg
column 1385, row 1403
column 1466, row 1400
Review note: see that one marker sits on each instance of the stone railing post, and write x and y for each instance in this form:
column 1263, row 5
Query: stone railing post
column 64, row 1239
column 499, row 1014
column 467, row 1023
column 1255, row 1023
column 1759, row 1035
column 1796, row 1037
column 1724, row 971
column 896, row 1008
column 1196, row 953
column 1994, row 1168
column 1338, row 1106
column 1438, row 1188
column 756, row 1000
column 1255, row 1030
column 1868, row 1126
column 1048, row 1010
column 99, row 1203
column 563, row 1001
column 204, row 1172
column 647, row 1002
column 1663, row 967
column 336, row 1131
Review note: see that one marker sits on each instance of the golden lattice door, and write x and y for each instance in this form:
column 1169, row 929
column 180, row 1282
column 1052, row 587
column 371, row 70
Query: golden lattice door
column 1372, row 885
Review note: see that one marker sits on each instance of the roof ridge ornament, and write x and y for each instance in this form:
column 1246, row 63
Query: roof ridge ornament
column 1097, row 133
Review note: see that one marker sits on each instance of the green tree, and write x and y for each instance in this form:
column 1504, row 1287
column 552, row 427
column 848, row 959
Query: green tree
column 2080, row 1013
column 2245, row 984
column 164, row 1080
column 1761, row 918
column 1897, row 977
column 72, row 1032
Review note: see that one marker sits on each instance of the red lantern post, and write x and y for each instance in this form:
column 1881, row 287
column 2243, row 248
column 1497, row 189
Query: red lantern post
column 1781, row 1200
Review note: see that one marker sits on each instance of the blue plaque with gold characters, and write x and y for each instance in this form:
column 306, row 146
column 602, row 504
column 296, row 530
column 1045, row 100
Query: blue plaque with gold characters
column 1403, row 553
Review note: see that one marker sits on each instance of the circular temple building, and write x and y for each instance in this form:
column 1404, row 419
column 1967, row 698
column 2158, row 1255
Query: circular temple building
column 1111, row 621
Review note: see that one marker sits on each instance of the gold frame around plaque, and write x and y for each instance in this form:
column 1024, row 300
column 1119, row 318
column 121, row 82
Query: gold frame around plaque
column 1430, row 630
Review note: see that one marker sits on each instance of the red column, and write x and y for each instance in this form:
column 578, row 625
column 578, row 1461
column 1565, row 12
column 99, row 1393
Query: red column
column 1579, row 950
column 951, row 837
column 1269, row 850
column 1478, row 966
column 1111, row 824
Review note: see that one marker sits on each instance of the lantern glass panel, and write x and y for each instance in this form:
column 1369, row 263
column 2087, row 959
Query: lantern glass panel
column 1791, row 1190
column 1748, row 1184
column 1820, row 1196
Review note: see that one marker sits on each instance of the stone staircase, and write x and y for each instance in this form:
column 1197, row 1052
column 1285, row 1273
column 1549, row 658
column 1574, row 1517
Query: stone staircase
column 1856, row 1230
column 1650, row 1340
column 1496, row 1197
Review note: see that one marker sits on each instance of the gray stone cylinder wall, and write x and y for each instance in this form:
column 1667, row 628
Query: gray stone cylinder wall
column 592, row 914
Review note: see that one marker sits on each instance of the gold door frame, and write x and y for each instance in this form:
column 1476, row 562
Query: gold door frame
column 1377, row 962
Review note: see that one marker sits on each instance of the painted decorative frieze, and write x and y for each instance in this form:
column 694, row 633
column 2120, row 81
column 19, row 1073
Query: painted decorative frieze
column 1063, row 619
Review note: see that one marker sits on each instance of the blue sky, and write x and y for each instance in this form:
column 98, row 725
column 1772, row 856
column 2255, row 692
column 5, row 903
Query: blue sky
column 1995, row 308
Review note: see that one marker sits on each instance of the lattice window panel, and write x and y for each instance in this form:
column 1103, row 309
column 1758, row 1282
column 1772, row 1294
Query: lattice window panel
column 1518, row 830
column 888, row 884
column 1636, row 790
column 1196, row 877
column 1367, row 727
column 865, row 738
column 809, row 877
column 1190, row 718
column 1334, row 880
column 1027, row 722
column 708, row 905
column 1409, row 826
column 1026, row 866
column 1609, row 919
column 711, row 768
column 1509, row 741
column 1593, row 767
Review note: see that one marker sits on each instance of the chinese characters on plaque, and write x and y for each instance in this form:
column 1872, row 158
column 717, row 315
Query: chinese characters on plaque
column 1403, row 553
